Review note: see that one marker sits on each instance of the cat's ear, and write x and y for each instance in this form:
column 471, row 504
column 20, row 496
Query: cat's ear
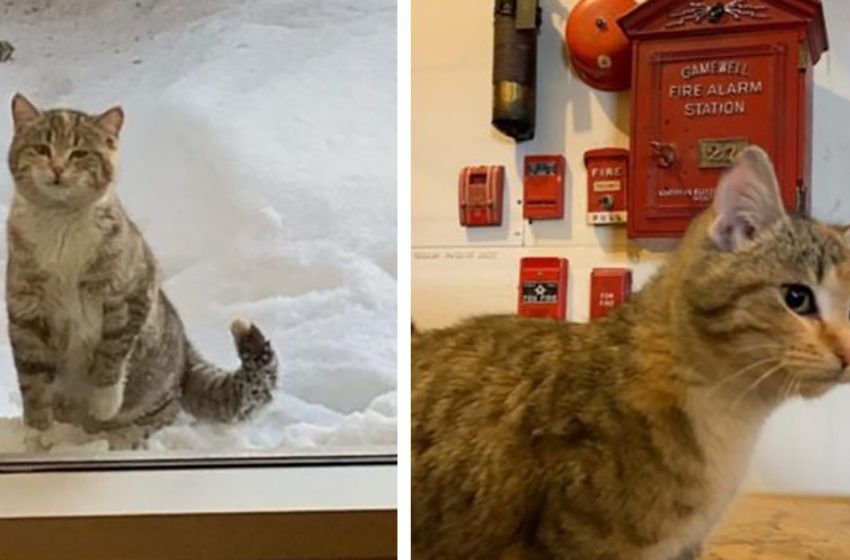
column 747, row 200
column 111, row 120
column 22, row 110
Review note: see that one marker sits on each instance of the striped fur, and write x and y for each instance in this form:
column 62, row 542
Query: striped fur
column 96, row 342
column 626, row 438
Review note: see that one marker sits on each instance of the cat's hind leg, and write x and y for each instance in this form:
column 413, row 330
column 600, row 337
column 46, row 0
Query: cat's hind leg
column 122, row 321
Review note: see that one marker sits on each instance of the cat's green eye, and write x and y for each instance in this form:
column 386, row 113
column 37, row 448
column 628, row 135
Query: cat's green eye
column 42, row 150
column 78, row 154
column 799, row 299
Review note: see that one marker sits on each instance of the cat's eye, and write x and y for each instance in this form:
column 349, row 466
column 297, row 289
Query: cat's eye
column 799, row 299
column 42, row 150
column 78, row 154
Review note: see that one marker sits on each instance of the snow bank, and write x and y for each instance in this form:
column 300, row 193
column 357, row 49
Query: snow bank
column 258, row 158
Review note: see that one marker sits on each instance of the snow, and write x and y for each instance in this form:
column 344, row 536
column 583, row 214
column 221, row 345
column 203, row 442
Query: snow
column 258, row 158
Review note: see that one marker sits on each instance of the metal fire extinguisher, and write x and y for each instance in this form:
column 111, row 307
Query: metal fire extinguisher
column 515, row 27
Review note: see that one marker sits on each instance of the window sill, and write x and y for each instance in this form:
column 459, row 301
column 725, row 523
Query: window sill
column 210, row 514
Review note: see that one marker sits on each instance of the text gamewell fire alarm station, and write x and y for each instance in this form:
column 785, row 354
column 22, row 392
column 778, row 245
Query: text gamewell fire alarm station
column 709, row 78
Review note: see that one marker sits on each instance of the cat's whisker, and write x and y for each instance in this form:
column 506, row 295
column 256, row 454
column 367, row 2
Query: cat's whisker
column 741, row 372
column 797, row 382
column 766, row 345
column 756, row 383
column 788, row 386
column 791, row 388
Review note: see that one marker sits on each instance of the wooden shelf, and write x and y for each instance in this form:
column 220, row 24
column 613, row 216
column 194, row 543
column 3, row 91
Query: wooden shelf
column 783, row 528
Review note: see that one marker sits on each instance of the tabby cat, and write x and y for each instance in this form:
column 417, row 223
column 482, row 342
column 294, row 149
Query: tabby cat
column 627, row 438
column 96, row 342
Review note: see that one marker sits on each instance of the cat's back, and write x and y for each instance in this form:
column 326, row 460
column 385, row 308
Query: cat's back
column 491, row 337
column 485, row 394
column 484, row 354
column 497, row 353
column 477, row 379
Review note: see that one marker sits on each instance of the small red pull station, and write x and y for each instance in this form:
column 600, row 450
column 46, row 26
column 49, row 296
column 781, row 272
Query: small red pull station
column 609, row 288
column 543, row 287
column 607, row 185
column 480, row 195
column 543, row 187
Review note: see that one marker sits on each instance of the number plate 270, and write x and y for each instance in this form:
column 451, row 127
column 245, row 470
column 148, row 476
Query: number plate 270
column 715, row 153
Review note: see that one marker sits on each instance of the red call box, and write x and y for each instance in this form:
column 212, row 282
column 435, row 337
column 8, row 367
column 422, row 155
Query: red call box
column 708, row 79
column 543, row 187
column 607, row 185
column 480, row 194
column 609, row 288
column 543, row 287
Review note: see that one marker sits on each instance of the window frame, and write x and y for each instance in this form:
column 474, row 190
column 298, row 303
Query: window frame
column 278, row 509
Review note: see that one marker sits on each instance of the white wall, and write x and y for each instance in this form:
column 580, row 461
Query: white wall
column 458, row 272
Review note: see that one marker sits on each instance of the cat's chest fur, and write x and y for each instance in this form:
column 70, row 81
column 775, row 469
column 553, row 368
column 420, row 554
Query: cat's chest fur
column 727, row 440
column 64, row 248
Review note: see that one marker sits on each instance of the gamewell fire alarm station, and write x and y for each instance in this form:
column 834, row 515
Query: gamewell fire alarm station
column 709, row 78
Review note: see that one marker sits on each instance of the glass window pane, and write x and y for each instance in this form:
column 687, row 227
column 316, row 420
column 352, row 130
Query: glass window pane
column 236, row 212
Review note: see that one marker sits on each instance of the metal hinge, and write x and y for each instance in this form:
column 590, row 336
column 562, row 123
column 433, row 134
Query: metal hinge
column 801, row 199
column 803, row 54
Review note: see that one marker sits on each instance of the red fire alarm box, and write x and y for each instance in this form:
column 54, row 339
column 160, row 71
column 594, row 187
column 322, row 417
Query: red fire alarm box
column 480, row 195
column 543, row 287
column 609, row 288
column 607, row 182
column 543, row 187
column 710, row 78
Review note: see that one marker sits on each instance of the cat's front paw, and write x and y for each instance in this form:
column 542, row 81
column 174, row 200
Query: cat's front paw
column 36, row 440
column 105, row 402
column 39, row 419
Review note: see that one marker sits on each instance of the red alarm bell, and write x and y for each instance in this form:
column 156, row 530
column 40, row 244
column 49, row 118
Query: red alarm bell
column 599, row 51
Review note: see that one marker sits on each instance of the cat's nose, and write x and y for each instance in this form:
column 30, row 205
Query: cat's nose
column 57, row 172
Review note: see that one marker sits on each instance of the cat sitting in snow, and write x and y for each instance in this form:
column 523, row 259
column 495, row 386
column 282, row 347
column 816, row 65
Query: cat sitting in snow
column 96, row 342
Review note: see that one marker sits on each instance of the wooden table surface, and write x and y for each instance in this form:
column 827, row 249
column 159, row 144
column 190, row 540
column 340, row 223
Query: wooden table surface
column 783, row 528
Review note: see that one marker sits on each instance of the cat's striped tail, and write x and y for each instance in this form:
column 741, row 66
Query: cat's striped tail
column 211, row 393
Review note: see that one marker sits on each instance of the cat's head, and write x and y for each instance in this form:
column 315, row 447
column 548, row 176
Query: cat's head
column 63, row 158
column 766, row 295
